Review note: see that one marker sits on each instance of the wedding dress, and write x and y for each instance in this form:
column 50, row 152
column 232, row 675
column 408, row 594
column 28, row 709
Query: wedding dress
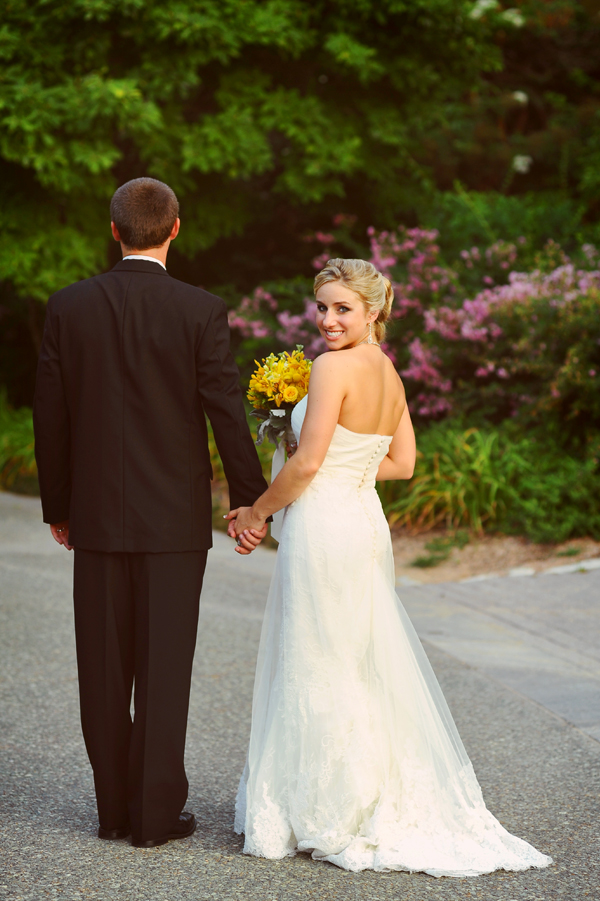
column 354, row 755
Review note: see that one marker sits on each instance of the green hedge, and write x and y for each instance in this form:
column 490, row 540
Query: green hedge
column 480, row 479
column 495, row 480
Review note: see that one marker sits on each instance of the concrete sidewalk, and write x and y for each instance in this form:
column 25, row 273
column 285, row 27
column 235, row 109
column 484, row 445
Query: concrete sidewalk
column 538, row 636
column 517, row 659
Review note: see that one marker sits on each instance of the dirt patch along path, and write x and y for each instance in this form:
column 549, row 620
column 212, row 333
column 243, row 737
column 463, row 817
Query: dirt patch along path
column 499, row 555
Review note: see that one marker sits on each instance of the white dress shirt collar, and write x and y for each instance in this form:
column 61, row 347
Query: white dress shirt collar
column 141, row 256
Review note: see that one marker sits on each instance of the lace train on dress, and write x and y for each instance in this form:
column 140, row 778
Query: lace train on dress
column 354, row 755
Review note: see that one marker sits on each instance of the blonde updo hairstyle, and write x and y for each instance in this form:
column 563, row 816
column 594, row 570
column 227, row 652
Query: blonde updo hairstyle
column 374, row 289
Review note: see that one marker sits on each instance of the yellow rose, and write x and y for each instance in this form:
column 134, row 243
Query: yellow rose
column 290, row 394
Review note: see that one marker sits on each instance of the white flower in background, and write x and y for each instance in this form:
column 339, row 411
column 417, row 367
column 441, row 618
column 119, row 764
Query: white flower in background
column 520, row 97
column 522, row 163
column 514, row 17
column 481, row 7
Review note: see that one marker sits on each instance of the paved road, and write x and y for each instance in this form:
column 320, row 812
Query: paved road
column 492, row 644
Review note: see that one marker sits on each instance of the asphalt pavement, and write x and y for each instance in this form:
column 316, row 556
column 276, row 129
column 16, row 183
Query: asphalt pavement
column 517, row 659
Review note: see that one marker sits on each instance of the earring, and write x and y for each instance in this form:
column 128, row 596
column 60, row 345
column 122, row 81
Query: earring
column 370, row 338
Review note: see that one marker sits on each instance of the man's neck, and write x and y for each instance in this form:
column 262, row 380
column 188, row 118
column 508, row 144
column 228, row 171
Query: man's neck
column 156, row 253
column 144, row 256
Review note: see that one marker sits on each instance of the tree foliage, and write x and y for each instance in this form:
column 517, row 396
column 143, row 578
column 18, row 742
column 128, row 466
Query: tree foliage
column 270, row 116
column 237, row 104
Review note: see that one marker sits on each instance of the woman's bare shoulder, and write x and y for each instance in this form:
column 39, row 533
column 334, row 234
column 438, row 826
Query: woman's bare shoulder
column 351, row 361
column 332, row 361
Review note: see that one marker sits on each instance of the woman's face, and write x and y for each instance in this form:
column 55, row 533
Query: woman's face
column 341, row 316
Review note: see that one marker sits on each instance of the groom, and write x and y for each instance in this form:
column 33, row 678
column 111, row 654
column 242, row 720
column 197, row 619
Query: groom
column 130, row 362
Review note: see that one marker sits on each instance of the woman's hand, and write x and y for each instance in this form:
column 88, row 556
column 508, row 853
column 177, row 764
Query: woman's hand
column 249, row 541
column 247, row 528
column 245, row 520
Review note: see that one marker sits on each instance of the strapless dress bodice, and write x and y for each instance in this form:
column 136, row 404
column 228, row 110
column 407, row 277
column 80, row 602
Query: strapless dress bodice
column 351, row 457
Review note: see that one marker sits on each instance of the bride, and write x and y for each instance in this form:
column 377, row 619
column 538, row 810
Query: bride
column 354, row 756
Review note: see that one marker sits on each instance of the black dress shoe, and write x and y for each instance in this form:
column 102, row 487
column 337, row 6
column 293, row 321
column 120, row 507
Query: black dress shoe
column 112, row 835
column 185, row 826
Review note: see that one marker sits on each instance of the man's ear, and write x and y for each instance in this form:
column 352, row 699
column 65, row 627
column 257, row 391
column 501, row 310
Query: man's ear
column 175, row 230
column 115, row 231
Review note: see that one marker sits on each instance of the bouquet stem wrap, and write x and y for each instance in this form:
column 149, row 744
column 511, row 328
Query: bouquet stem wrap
column 277, row 427
column 278, row 384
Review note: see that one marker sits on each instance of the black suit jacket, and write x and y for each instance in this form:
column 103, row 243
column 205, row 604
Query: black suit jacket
column 130, row 362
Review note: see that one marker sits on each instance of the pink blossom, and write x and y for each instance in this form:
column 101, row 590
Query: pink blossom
column 471, row 333
column 429, row 405
column 430, row 296
column 300, row 328
column 389, row 350
column 250, row 328
column 320, row 260
column 423, row 367
column 344, row 219
column 445, row 321
column 261, row 295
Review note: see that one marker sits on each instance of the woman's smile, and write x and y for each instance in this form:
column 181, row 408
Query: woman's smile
column 333, row 334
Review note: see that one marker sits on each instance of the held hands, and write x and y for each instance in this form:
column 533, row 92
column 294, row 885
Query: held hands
column 246, row 528
column 60, row 533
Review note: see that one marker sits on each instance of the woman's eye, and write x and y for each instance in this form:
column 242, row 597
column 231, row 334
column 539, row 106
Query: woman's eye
column 343, row 309
column 321, row 308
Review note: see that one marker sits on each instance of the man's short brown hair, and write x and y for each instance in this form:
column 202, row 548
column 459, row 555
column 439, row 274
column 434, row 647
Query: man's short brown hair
column 144, row 211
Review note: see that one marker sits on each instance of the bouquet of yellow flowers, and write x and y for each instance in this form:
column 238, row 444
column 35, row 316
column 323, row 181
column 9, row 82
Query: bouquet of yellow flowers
column 277, row 385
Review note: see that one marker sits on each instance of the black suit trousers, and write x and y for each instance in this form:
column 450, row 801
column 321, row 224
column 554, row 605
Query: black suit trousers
column 136, row 620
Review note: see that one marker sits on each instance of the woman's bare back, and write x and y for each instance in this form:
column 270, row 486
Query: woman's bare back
column 374, row 400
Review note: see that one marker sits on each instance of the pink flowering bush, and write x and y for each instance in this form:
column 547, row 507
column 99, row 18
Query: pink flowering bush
column 272, row 318
column 528, row 349
column 496, row 334
column 498, row 348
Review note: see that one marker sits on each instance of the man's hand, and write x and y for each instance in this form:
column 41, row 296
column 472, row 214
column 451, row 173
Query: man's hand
column 60, row 533
column 248, row 538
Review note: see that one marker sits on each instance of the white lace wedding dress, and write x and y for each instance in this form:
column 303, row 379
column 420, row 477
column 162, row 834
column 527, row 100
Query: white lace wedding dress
column 354, row 756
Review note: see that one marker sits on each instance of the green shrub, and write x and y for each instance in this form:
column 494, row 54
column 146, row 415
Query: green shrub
column 265, row 453
column 18, row 469
column 465, row 218
column 486, row 479
column 479, row 479
column 17, row 459
column 555, row 498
